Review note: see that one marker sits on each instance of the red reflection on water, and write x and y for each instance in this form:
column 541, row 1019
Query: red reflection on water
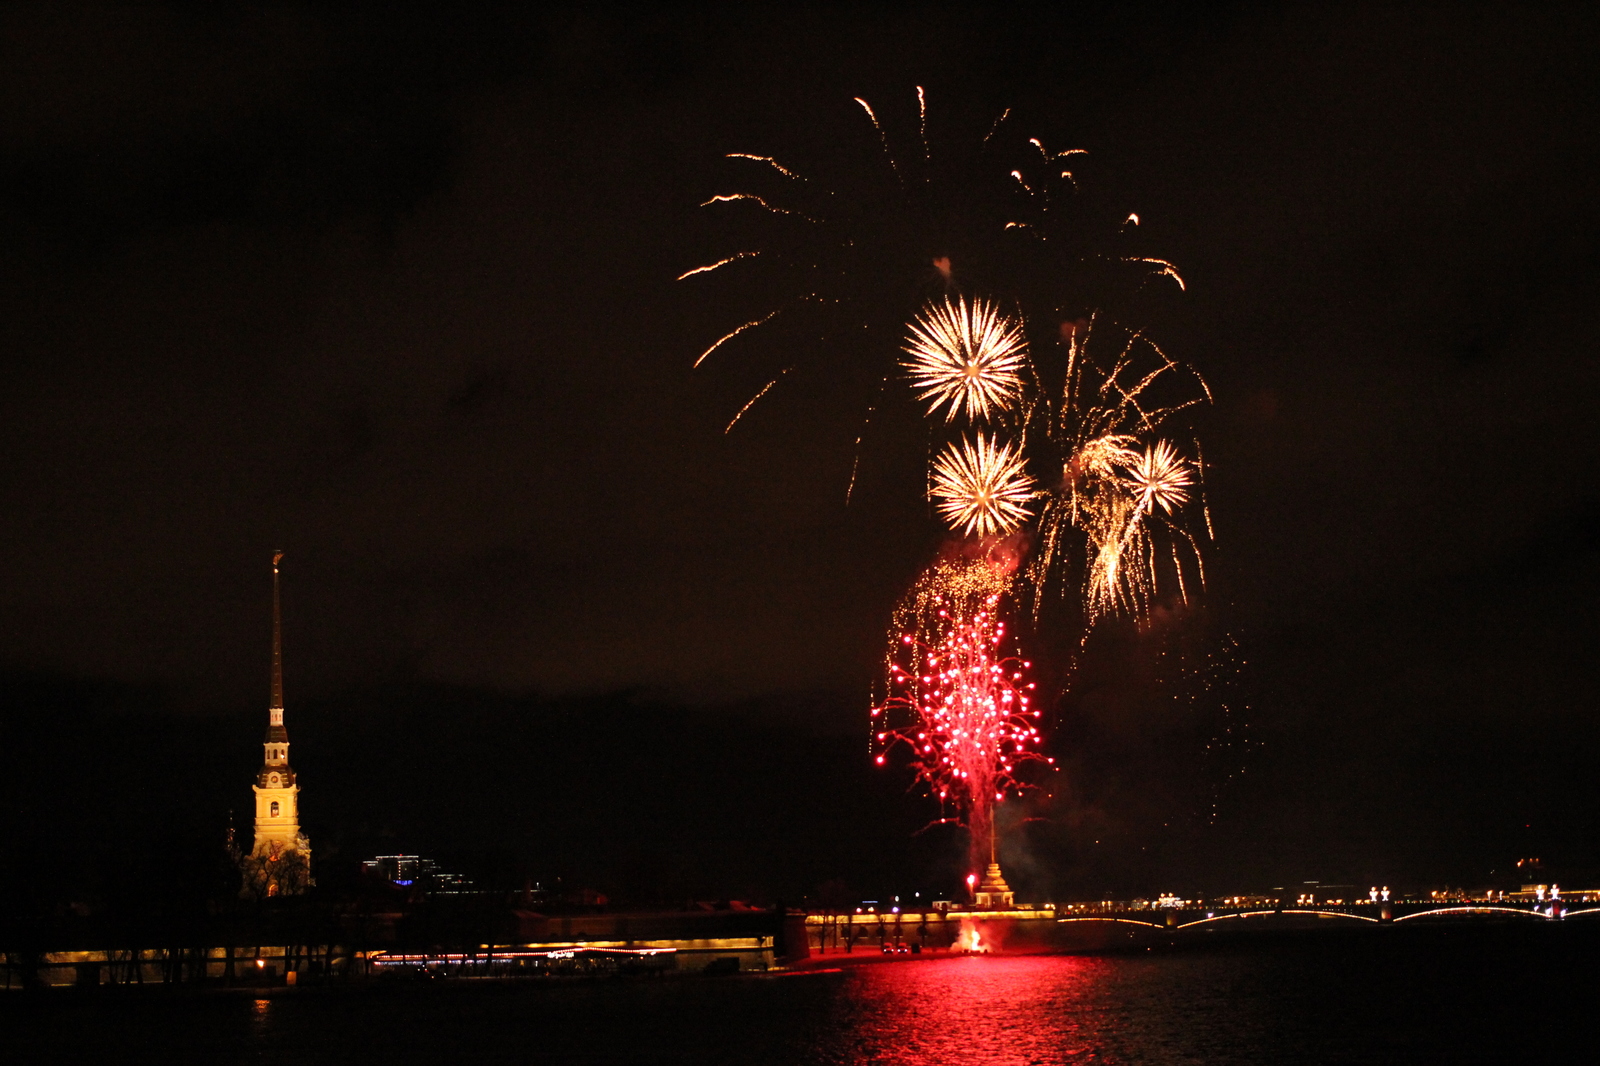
column 978, row 1011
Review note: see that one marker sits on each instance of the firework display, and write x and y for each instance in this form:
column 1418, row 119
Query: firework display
column 1076, row 449
column 962, row 709
column 1055, row 469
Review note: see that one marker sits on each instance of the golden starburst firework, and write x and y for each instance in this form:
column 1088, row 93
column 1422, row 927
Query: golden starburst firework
column 966, row 357
column 981, row 486
column 1160, row 477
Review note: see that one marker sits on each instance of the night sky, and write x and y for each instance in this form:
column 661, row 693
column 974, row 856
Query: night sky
column 395, row 294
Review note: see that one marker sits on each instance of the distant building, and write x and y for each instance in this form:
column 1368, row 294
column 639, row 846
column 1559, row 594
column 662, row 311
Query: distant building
column 410, row 871
column 402, row 870
column 279, row 864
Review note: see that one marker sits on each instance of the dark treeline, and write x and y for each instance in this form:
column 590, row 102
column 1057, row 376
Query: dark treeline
column 114, row 803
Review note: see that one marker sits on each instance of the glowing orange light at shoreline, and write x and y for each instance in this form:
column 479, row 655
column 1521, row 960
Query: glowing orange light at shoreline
column 969, row 939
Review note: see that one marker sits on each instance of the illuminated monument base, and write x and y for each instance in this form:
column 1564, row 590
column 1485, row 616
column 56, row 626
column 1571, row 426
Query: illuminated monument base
column 992, row 893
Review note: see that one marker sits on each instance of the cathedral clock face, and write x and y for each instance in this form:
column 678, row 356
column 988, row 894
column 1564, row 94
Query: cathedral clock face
column 272, row 779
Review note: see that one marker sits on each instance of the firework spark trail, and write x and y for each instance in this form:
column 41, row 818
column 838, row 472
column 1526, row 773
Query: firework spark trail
column 779, row 167
column 1200, row 476
column 967, row 356
column 960, row 706
column 1129, row 488
column 735, row 197
column 866, row 421
column 1049, row 158
column 1167, row 269
column 752, row 401
column 981, row 487
column 752, row 324
column 709, row 267
column 922, row 119
column 883, row 138
column 996, row 127
column 1115, row 491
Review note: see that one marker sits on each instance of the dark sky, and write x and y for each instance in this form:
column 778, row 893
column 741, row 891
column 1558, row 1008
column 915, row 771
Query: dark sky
column 395, row 293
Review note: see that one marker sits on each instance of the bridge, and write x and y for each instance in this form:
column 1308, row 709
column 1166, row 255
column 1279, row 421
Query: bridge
column 1110, row 925
column 1186, row 915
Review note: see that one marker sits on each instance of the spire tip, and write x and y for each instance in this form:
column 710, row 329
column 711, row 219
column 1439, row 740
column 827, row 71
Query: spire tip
column 277, row 645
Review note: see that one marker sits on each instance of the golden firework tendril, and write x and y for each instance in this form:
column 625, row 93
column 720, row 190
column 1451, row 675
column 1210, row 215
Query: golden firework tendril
column 1114, row 493
column 767, row 159
column 709, row 267
column 1104, row 456
column 749, row 197
column 752, row 324
column 981, row 487
column 966, row 357
column 1122, row 567
column 1118, row 496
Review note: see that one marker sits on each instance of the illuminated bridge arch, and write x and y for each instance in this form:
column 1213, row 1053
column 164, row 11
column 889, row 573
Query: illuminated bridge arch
column 1273, row 913
column 1463, row 910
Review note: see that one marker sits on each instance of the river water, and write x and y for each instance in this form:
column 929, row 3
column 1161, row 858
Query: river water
column 1490, row 995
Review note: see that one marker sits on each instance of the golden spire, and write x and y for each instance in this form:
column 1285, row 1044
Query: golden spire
column 277, row 644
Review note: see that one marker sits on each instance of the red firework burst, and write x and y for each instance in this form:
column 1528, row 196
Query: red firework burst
column 960, row 706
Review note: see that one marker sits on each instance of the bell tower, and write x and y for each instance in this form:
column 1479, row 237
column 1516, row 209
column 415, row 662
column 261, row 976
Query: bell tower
column 278, row 836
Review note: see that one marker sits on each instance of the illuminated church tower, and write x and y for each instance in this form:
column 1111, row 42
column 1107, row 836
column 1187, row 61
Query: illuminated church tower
column 280, row 862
